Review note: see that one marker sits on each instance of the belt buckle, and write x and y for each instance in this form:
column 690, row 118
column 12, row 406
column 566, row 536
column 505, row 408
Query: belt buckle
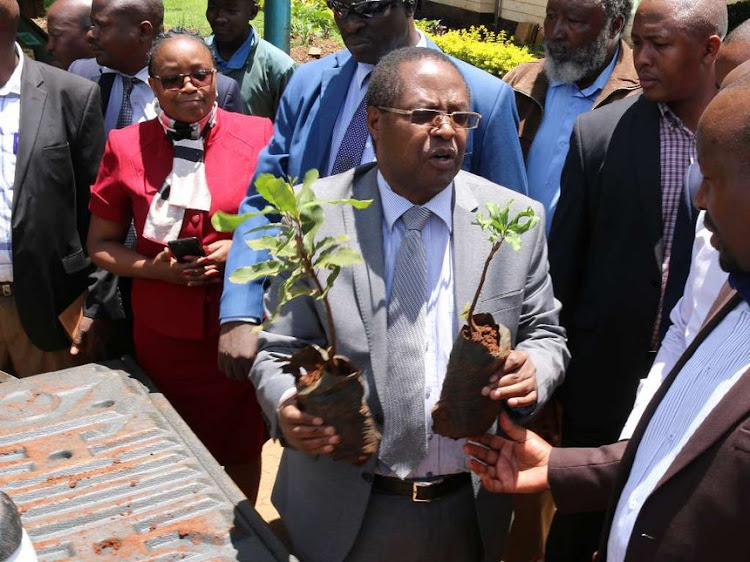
column 6, row 288
column 415, row 486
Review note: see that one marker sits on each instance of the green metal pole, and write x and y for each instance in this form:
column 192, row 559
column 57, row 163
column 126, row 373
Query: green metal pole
column 277, row 20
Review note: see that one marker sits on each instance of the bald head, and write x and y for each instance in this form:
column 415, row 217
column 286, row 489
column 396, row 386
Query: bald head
column 722, row 138
column 151, row 11
column 726, row 120
column 68, row 22
column 123, row 32
column 734, row 52
column 69, row 9
column 703, row 18
column 9, row 14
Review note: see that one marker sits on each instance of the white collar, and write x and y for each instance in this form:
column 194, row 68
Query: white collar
column 142, row 74
column 394, row 205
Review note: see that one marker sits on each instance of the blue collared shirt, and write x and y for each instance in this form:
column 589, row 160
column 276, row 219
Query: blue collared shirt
column 562, row 106
column 238, row 58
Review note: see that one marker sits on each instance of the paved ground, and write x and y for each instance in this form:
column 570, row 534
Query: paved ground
column 271, row 456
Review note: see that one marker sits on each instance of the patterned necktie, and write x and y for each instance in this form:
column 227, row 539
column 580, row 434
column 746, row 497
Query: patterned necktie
column 125, row 117
column 404, row 443
column 353, row 144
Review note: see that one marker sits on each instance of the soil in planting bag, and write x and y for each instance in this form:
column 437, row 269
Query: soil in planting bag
column 333, row 390
column 462, row 411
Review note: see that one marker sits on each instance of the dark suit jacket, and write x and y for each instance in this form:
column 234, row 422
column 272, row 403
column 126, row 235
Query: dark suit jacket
column 227, row 92
column 700, row 507
column 606, row 252
column 60, row 144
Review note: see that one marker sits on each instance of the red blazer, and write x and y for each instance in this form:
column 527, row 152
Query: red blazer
column 137, row 160
column 700, row 508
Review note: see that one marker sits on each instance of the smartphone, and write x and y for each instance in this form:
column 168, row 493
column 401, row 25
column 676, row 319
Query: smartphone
column 186, row 247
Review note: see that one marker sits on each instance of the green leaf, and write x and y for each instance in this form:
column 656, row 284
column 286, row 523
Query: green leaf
column 300, row 291
column 277, row 192
column 343, row 257
column 465, row 313
column 276, row 244
column 255, row 271
column 356, row 203
column 330, row 279
column 514, row 239
column 226, row 222
column 311, row 176
column 312, row 217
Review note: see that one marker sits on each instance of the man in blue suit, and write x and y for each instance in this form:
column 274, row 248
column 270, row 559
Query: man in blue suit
column 317, row 125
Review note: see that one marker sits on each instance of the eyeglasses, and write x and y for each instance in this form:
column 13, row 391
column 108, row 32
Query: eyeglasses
column 198, row 78
column 434, row 117
column 363, row 9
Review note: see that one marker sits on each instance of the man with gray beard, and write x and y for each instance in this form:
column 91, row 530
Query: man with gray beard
column 587, row 65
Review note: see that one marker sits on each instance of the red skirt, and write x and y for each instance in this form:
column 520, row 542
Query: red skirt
column 223, row 413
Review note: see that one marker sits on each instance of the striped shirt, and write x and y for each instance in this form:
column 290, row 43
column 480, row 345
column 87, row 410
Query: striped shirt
column 10, row 117
column 711, row 372
column 444, row 455
column 677, row 145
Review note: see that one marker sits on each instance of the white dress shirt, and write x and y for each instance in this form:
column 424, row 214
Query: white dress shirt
column 701, row 288
column 444, row 455
column 355, row 94
column 705, row 379
column 25, row 551
column 142, row 99
column 88, row 68
column 10, row 121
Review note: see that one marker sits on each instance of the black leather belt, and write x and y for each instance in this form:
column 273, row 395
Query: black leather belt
column 6, row 289
column 421, row 491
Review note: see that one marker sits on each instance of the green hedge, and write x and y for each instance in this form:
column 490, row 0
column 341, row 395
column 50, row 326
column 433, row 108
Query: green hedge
column 738, row 13
column 487, row 50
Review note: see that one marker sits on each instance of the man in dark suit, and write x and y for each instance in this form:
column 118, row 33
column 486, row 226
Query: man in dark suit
column 52, row 139
column 122, row 33
column 678, row 489
column 322, row 107
column 622, row 234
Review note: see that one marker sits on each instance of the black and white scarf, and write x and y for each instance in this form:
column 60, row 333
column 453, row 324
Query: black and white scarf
column 185, row 187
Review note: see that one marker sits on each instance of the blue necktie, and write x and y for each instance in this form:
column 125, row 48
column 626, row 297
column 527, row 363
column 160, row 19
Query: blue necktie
column 353, row 144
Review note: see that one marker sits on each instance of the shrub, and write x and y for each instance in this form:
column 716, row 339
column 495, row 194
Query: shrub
column 738, row 13
column 312, row 19
column 487, row 50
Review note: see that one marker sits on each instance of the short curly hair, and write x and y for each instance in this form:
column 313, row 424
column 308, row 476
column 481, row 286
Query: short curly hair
column 614, row 8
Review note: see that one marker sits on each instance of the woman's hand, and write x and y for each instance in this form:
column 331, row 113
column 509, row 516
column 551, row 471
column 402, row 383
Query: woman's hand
column 191, row 273
column 216, row 254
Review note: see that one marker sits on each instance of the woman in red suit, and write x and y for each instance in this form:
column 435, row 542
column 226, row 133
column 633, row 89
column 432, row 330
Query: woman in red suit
column 169, row 175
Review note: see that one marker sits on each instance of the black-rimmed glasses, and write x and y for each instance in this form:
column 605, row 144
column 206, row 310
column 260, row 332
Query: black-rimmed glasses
column 364, row 8
column 199, row 79
column 434, row 117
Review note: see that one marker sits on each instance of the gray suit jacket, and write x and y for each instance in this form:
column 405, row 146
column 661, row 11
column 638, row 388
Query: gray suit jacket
column 323, row 502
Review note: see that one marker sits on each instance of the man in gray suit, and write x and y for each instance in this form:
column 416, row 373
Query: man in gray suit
column 334, row 510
